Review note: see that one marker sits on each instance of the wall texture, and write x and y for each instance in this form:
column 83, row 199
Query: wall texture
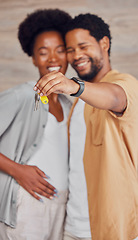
column 122, row 15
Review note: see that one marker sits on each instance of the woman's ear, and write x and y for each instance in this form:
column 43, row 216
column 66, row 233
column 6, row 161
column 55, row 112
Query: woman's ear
column 105, row 44
column 34, row 61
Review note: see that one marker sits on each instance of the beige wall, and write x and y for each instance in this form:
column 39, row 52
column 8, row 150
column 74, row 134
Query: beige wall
column 122, row 15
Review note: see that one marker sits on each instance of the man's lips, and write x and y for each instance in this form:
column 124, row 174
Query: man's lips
column 81, row 65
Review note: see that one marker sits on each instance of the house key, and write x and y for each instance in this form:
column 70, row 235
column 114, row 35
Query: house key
column 43, row 99
column 37, row 99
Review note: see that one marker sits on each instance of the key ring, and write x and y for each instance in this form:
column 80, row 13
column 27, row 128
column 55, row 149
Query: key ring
column 44, row 99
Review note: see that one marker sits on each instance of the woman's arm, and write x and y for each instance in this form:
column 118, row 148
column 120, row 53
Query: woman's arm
column 31, row 178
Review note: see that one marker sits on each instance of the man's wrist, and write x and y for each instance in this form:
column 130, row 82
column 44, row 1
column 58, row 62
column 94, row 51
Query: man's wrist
column 81, row 87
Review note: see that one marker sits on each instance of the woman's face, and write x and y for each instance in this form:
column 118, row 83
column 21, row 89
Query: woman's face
column 49, row 53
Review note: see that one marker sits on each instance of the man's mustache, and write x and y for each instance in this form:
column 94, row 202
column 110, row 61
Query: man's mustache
column 75, row 62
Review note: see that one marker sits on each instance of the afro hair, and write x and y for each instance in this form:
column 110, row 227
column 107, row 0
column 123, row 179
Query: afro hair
column 40, row 21
column 94, row 24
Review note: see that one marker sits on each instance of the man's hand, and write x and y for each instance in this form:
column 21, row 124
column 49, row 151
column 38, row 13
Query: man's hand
column 55, row 82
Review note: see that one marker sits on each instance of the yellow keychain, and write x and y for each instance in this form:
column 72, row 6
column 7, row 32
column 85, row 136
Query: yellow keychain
column 44, row 99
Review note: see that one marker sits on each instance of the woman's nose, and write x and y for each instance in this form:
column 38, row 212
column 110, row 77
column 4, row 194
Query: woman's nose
column 52, row 57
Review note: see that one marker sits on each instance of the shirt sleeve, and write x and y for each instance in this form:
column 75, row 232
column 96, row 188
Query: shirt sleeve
column 130, row 86
column 9, row 105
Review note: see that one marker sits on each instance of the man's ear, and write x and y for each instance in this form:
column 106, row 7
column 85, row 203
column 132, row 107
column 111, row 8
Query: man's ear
column 105, row 44
column 34, row 61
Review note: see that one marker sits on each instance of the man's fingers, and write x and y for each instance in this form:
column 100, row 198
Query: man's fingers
column 47, row 84
column 50, row 87
column 44, row 81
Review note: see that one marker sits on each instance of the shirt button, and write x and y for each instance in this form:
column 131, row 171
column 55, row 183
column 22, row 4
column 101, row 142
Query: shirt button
column 35, row 145
column 44, row 126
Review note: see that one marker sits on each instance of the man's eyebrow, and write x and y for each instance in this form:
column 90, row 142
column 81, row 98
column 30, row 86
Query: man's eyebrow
column 79, row 44
column 82, row 43
column 68, row 48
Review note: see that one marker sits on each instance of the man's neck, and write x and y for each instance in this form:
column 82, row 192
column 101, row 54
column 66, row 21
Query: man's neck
column 101, row 74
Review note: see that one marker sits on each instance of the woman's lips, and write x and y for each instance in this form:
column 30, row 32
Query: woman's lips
column 50, row 69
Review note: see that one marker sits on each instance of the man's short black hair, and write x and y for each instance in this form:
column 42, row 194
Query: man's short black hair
column 94, row 24
column 40, row 21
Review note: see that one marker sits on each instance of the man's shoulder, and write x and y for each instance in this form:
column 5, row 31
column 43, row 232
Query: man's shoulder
column 122, row 79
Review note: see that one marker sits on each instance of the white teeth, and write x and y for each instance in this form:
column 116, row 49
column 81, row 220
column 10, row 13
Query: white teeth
column 82, row 64
column 53, row 69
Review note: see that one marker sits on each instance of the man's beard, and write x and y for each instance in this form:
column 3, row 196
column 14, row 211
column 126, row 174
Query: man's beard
column 96, row 66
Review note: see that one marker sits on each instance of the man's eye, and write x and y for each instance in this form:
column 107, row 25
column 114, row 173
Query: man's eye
column 70, row 51
column 83, row 47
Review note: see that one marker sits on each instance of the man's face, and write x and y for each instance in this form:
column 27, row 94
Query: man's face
column 84, row 53
column 49, row 53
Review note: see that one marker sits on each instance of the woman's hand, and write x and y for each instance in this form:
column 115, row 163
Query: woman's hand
column 33, row 180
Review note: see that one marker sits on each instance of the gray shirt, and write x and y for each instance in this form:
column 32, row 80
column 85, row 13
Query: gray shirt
column 21, row 130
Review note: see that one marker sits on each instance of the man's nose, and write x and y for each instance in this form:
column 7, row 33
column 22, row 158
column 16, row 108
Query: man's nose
column 77, row 54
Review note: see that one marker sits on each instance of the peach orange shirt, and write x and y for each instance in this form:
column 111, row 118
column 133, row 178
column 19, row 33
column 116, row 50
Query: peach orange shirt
column 111, row 164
